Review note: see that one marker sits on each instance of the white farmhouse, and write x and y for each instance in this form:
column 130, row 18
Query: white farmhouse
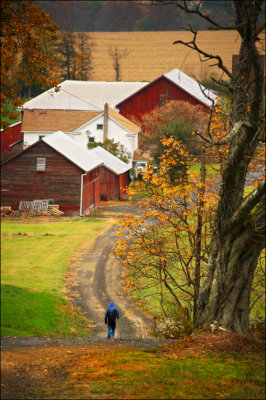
column 82, row 127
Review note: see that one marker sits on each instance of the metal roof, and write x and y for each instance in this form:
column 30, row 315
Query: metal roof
column 111, row 162
column 84, row 95
column 83, row 158
column 191, row 86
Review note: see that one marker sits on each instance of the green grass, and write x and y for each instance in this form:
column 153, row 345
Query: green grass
column 212, row 169
column 149, row 375
column 27, row 313
column 35, row 258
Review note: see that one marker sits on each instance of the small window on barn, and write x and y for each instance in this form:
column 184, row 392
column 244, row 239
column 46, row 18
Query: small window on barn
column 91, row 139
column 41, row 164
column 99, row 126
column 163, row 99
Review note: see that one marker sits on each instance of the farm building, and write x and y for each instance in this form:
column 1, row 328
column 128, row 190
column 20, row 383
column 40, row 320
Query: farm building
column 53, row 168
column 114, row 175
column 174, row 85
column 83, row 95
column 81, row 126
column 11, row 137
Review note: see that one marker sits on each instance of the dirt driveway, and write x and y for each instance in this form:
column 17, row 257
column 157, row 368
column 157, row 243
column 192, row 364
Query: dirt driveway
column 97, row 282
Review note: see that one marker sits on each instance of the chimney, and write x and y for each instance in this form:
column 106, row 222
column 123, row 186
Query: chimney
column 105, row 122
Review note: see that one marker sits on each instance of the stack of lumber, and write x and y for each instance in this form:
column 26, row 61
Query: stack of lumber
column 53, row 209
column 6, row 210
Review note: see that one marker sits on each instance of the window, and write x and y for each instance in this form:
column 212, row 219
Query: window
column 91, row 139
column 99, row 126
column 41, row 164
column 163, row 98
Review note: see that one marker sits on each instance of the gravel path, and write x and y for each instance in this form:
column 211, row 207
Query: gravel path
column 99, row 284
column 29, row 341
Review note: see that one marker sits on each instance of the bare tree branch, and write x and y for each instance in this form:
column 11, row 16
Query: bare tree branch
column 192, row 45
column 237, row 127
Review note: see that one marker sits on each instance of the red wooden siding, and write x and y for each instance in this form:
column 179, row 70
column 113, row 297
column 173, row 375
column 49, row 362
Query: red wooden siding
column 112, row 184
column 150, row 96
column 60, row 181
column 91, row 191
column 9, row 136
column 109, row 185
column 123, row 183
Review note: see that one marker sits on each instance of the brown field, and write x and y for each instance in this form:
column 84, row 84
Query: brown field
column 152, row 54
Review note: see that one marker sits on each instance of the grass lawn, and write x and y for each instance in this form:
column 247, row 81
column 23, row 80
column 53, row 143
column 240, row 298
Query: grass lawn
column 35, row 258
column 152, row 374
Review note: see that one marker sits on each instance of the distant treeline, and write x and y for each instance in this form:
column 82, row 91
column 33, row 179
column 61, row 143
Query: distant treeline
column 124, row 16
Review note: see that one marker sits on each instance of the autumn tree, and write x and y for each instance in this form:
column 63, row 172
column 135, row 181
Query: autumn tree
column 75, row 55
column 175, row 118
column 25, row 31
column 164, row 248
column 239, row 230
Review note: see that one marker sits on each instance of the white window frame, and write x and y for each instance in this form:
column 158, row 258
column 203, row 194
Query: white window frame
column 41, row 164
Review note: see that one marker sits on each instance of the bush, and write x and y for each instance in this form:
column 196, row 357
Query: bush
column 173, row 326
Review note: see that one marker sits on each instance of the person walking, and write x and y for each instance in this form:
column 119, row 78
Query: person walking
column 111, row 315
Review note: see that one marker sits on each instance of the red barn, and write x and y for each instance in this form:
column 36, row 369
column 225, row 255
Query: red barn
column 53, row 168
column 114, row 175
column 174, row 85
column 11, row 137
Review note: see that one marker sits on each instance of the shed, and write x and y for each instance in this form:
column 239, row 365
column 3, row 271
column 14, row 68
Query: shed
column 53, row 168
column 10, row 137
column 114, row 175
column 174, row 85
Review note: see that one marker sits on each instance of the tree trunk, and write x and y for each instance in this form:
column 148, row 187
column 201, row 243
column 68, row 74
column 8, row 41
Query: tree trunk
column 225, row 295
column 239, row 235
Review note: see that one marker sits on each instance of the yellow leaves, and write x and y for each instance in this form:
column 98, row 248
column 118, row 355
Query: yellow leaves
column 128, row 313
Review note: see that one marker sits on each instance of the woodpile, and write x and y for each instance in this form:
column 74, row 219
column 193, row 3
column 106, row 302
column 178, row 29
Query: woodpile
column 6, row 210
column 52, row 210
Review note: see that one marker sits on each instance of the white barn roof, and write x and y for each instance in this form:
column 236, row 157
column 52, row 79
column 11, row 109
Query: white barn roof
column 84, row 95
column 83, row 158
column 191, row 86
column 111, row 162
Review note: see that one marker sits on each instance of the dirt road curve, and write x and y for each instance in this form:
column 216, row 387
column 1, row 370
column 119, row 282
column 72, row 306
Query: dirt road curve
column 98, row 283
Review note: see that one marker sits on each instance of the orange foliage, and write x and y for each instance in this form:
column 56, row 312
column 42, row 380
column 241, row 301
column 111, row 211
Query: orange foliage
column 26, row 32
column 172, row 111
column 158, row 246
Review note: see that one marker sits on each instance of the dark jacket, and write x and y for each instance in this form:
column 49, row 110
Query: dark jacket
column 110, row 309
